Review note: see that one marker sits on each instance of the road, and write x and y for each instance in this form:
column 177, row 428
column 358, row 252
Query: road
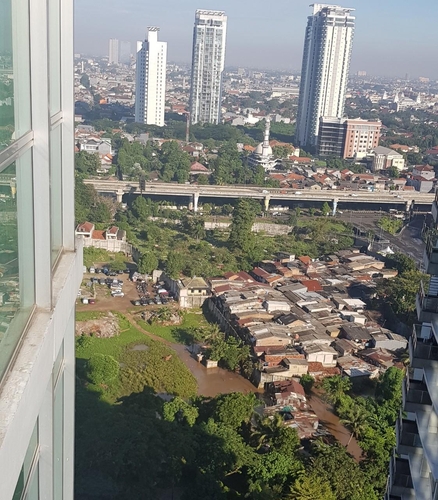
column 408, row 241
column 119, row 188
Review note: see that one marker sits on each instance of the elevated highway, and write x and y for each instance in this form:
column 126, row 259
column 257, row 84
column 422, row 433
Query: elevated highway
column 277, row 195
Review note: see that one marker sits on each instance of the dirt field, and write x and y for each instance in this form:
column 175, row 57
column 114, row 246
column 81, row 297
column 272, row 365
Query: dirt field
column 104, row 300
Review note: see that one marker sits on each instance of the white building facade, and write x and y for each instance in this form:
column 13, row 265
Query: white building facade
column 324, row 74
column 113, row 52
column 150, row 93
column 41, row 266
column 208, row 61
column 413, row 471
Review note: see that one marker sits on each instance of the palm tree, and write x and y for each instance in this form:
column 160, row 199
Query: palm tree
column 336, row 387
column 355, row 421
column 267, row 430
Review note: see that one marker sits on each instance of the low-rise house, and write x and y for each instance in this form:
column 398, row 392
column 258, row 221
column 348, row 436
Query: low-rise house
column 324, row 354
column 354, row 368
column 344, row 347
column 190, row 292
column 355, row 333
column 388, row 340
column 378, row 357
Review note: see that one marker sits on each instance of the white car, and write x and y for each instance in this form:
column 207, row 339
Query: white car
column 117, row 294
column 298, row 192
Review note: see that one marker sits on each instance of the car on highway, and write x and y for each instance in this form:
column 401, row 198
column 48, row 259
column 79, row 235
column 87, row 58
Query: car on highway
column 298, row 192
column 354, row 194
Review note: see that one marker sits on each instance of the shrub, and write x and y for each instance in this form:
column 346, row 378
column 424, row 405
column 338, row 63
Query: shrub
column 102, row 368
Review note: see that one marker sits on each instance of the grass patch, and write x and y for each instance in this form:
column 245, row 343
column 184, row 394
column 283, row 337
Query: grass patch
column 157, row 366
column 87, row 315
column 176, row 333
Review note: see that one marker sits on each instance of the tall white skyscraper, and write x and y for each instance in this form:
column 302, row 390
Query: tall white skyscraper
column 124, row 52
column 208, row 60
column 324, row 73
column 41, row 263
column 150, row 91
column 113, row 51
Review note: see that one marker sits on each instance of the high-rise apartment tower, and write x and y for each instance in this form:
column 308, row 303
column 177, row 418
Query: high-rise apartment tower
column 414, row 466
column 40, row 262
column 113, row 51
column 208, row 60
column 150, row 91
column 324, row 74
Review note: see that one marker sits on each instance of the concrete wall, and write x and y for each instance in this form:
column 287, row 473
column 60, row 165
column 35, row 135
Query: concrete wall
column 109, row 245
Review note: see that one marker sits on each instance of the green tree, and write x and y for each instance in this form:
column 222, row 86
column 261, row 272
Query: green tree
column 355, row 421
column 336, row 387
column 87, row 163
column 234, row 409
column 401, row 262
column 179, row 410
column 174, row 264
column 100, row 213
column 148, row 262
column 307, row 381
column 311, row 487
column 141, row 209
column 325, row 209
column 102, row 368
column 243, row 220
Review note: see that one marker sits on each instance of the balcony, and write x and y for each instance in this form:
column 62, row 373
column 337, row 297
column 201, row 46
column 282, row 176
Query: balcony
column 408, row 440
column 427, row 303
column 435, row 210
column 400, row 483
column 431, row 255
column 416, row 396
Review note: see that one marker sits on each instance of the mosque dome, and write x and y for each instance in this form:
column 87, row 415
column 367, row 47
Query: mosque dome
column 259, row 150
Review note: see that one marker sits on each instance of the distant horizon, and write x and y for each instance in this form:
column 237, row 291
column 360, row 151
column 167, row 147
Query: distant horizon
column 294, row 72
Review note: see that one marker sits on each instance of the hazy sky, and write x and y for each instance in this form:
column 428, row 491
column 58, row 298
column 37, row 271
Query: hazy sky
column 393, row 37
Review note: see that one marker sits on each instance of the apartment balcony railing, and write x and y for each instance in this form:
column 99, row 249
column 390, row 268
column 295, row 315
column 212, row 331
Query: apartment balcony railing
column 426, row 304
column 431, row 256
column 415, row 393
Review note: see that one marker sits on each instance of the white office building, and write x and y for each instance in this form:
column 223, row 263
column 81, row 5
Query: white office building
column 40, row 263
column 150, row 91
column 208, row 60
column 324, row 74
column 113, row 52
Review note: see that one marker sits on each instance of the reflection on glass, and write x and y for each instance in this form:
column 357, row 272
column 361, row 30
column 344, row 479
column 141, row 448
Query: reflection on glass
column 17, row 277
column 55, row 192
column 6, row 75
column 27, row 465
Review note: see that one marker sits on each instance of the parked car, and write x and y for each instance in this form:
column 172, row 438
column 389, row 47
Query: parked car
column 138, row 303
column 91, row 301
column 117, row 294
column 92, row 270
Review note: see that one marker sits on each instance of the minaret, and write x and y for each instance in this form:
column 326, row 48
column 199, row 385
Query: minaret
column 266, row 147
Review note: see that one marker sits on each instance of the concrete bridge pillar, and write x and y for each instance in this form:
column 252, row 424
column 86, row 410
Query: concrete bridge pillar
column 409, row 205
column 119, row 195
column 335, row 206
column 266, row 202
column 195, row 201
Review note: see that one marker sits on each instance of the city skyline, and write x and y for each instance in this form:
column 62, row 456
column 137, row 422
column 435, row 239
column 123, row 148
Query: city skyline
column 408, row 45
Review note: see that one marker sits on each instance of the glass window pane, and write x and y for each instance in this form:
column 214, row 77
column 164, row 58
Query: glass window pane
column 33, row 492
column 14, row 71
column 54, row 57
column 55, row 192
column 27, row 464
column 58, row 435
column 17, row 280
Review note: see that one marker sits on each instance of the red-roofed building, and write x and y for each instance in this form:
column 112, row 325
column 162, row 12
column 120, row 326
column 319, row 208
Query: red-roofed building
column 198, row 168
column 305, row 259
column 312, row 285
